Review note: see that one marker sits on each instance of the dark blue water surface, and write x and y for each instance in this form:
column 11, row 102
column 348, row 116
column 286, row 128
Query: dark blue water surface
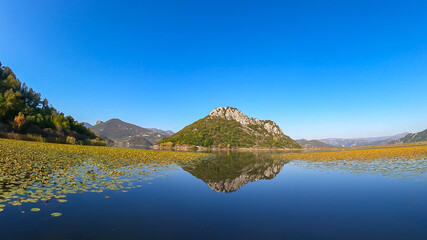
column 242, row 196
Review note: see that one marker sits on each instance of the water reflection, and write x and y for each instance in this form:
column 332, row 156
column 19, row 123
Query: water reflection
column 396, row 168
column 88, row 176
column 117, row 200
column 222, row 172
column 229, row 171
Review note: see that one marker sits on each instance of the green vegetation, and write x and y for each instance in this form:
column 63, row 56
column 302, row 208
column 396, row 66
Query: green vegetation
column 400, row 162
column 220, row 132
column 23, row 111
column 32, row 172
column 414, row 151
column 413, row 138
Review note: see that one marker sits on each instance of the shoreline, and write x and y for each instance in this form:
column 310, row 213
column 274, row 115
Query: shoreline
column 191, row 148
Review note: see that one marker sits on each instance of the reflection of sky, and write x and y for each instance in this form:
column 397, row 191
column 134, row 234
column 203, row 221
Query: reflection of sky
column 299, row 202
column 398, row 169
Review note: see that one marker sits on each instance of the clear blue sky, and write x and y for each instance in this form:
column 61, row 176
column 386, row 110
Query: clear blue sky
column 317, row 68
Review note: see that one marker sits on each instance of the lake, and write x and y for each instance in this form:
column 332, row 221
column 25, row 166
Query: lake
column 231, row 195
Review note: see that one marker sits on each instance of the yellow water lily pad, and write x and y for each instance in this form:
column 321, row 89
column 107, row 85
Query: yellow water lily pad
column 16, row 203
column 56, row 214
column 34, row 172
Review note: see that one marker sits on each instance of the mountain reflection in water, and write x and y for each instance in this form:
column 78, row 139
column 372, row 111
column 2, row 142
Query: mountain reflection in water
column 229, row 171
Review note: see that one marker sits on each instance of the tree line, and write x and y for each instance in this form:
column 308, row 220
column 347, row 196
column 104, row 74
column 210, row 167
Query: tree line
column 23, row 111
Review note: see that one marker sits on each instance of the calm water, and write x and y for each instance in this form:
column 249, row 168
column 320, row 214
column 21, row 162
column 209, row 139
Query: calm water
column 242, row 196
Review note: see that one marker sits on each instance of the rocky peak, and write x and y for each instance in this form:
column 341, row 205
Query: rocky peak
column 99, row 122
column 231, row 113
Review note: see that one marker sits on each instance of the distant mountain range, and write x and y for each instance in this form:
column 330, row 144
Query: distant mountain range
column 228, row 127
column 354, row 142
column 126, row 134
column 313, row 143
column 87, row 125
column 413, row 137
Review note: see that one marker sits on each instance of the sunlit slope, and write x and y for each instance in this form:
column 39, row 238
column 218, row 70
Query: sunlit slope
column 413, row 137
column 228, row 127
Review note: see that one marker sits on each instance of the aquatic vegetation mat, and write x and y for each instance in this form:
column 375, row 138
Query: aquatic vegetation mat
column 34, row 172
column 399, row 169
column 398, row 162
column 398, row 152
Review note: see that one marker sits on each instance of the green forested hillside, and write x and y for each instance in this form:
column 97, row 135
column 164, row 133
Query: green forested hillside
column 23, row 111
column 413, row 137
column 221, row 132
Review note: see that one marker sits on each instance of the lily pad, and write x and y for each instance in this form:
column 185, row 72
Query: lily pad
column 34, row 172
column 35, row 209
column 16, row 203
column 56, row 214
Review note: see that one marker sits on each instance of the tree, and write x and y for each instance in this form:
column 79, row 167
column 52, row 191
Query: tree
column 24, row 110
column 19, row 121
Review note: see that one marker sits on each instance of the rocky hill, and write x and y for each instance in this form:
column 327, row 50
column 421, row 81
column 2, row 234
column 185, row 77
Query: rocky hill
column 128, row 135
column 228, row 127
column 313, row 143
column 413, row 137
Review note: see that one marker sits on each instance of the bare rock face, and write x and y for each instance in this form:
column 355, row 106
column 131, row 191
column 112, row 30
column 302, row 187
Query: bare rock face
column 99, row 122
column 231, row 113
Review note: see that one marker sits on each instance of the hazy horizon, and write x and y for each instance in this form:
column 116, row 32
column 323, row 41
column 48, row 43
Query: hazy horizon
column 319, row 70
